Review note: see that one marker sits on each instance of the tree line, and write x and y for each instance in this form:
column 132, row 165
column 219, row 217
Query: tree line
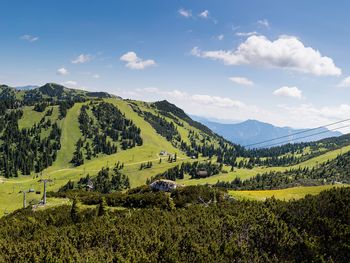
column 330, row 172
column 25, row 150
column 103, row 131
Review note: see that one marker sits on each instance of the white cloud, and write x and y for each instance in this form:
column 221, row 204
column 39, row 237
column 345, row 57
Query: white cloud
column 70, row 83
column 287, row 52
column 222, row 102
column 82, row 58
column 96, row 76
column 242, row 81
column 185, row 13
column 172, row 94
column 62, row 71
column 198, row 104
column 246, row 34
column 220, row 37
column 200, row 99
column 176, row 94
column 134, row 62
column 204, row 14
column 29, row 38
column 285, row 91
column 307, row 115
column 227, row 108
column 264, row 23
column 345, row 83
column 149, row 89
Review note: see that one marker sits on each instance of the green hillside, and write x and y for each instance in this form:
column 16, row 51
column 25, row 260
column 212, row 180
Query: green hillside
column 169, row 139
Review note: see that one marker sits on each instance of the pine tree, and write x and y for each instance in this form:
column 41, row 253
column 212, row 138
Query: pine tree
column 102, row 207
column 74, row 213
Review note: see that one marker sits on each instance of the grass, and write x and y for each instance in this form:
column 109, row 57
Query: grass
column 248, row 173
column 52, row 202
column 282, row 194
column 70, row 135
column 30, row 117
column 62, row 171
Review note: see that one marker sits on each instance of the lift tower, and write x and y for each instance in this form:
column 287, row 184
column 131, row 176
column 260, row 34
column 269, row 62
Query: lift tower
column 45, row 181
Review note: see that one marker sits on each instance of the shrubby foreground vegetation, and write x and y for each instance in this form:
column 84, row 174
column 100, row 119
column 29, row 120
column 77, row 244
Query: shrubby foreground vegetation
column 312, row 229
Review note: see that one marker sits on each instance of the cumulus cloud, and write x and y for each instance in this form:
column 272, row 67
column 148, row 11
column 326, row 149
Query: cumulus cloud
column 316, row 116
column 227, row 108
column 285, row 91
column 134, row 62
column 222, row 102
column 345, row 83
column 29, row 38
column 70, row 83
column 263, row 23
column 204, row 14
column 149, row 89
column 200, row 99
column 199, row 104
column 242, row 81
column 287, row 52
column 82, row 58
column 185, row 13
column 246, row 34
column 62, row 71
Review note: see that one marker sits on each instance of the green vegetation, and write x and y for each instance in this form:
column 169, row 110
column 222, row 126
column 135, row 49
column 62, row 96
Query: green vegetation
column 99, row 151
column 270, row 231
column 25, row 150
column 29, row 117
column 106, row 181
column 197, row 141
column 334, row 171
column 282, row 194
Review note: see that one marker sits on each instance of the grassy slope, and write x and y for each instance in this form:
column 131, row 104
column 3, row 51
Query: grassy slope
column 282, row 194
column 62, row 171
column 70, row 135
column 30, row 117
column 247, row 173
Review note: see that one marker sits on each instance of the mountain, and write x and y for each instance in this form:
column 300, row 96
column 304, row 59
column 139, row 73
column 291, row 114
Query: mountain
column 66, row 134
column 253, row 131
column 49, row 92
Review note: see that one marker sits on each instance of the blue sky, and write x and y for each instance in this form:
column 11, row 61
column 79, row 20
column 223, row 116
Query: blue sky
column 283, row 62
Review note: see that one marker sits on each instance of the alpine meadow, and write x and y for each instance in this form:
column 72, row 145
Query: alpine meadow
column 185, row 131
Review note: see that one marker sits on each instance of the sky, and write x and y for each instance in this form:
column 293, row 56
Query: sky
column 283, row 62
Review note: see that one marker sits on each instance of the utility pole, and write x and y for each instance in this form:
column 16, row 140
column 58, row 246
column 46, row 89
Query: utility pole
column 24, row 199
column 45, row 181
column 215, row 201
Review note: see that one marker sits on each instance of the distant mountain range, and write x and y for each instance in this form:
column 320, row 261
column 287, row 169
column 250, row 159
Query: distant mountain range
column 253, row 131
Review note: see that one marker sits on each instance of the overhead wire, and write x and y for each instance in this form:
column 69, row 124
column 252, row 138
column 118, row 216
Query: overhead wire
column 303, row 137
column 300, row 132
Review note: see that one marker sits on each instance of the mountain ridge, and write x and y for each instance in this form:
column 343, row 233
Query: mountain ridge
column 253, row 131
column 64, row 134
